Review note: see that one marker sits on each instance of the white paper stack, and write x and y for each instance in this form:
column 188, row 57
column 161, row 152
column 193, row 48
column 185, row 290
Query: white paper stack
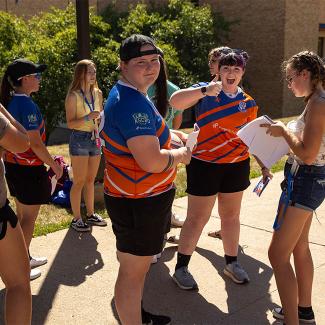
column 267, row 148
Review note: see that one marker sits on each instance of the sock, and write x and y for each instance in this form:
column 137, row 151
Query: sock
column 305, row 310
column 29, row 255
column 182, row 260
column 229, row 259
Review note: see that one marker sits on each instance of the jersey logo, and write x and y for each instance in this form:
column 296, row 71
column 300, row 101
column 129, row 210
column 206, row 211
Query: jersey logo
column 141, row 118
column 32, row 118
column 242, row 106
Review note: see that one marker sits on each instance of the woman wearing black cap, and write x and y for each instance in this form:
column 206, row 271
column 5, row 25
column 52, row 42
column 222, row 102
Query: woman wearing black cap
column 139, row 174
column 26, row 174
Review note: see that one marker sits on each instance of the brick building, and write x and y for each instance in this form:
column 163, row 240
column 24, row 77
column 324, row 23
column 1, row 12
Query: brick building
column 270, row 31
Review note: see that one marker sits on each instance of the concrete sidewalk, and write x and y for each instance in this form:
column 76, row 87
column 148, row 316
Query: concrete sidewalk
column 78, row 282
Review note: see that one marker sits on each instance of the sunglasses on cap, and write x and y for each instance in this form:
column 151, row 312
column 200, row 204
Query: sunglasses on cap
column 37, row 75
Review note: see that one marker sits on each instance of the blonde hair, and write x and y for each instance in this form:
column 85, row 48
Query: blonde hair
column 79, row 76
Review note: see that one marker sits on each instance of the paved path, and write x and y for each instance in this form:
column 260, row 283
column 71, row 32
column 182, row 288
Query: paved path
column 77, row 284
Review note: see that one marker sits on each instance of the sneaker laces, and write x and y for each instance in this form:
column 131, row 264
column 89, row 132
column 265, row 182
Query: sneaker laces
column 96, row 216
column 80, row 223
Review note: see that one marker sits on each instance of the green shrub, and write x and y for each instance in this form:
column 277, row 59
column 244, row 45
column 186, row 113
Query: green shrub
column 185, row 33
column 51, row 39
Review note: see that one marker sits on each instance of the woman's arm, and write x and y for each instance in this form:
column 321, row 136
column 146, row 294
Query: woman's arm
column 177, row 121
column 100, row 99
column 306, row 148
column 15, row 123
column 42, row 153
column 188, row 97
column 70, row 112
column 147, row 153
column 265, row 171
column 13, row 139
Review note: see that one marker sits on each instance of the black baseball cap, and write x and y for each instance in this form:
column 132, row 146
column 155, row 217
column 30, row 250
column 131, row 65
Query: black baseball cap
column 22, row 67
column 131, row 47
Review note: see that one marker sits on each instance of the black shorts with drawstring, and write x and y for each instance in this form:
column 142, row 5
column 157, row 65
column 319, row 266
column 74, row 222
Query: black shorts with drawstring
column 140, row 224
column 205, row 178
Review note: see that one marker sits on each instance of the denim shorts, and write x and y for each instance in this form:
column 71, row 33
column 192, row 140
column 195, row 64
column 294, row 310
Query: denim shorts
column 308, row 190
column 81, row 144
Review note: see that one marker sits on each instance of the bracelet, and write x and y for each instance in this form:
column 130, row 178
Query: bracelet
column 170, row 161
column 86, row 117
column 264, row 168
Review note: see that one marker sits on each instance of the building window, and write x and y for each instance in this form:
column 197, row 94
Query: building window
column 321, row 45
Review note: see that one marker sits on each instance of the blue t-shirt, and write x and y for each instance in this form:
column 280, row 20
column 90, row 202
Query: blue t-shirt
column 127, row 114
column 27, row 113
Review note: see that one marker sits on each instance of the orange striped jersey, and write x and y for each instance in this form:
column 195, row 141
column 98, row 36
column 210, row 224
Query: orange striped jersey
column 27, row 113
column 219, row 119
column 127, row 114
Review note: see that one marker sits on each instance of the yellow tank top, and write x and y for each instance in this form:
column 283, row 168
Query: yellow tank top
column 83, row 109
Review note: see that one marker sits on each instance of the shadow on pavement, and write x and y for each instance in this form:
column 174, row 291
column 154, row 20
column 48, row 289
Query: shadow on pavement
column 164, row 297
column 77, row 258
column 241, row 296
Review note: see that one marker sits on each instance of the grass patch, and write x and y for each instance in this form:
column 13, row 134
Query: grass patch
column 52, row 218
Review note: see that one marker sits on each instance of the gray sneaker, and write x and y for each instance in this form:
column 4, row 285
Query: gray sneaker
column 79, row 225
column 184, row 279
column 236, row 273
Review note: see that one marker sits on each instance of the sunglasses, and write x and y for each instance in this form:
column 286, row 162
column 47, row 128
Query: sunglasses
column 37, row 75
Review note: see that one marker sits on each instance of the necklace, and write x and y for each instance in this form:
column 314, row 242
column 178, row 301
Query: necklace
column 128, row 81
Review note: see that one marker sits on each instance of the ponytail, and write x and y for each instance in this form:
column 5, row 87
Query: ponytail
column 161, row 89
column 7, row 88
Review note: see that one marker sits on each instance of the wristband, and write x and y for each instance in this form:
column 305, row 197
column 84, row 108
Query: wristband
column 86, row 117
column 204, row 90
column 170, row 161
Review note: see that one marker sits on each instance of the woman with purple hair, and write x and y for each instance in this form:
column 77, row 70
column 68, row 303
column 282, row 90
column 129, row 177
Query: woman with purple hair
column 220, row 163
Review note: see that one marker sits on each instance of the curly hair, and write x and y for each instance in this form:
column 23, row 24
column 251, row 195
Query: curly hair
column 218, row 51
column 310, row 61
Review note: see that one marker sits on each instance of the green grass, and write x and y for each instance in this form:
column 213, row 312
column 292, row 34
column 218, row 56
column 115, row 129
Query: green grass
column 52, row 218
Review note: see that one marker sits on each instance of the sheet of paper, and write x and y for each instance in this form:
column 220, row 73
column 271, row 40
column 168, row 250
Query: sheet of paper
column 192, row 137
column 267, row 148
column 53, row 184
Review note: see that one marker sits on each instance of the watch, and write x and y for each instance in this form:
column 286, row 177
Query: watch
column 204, row 90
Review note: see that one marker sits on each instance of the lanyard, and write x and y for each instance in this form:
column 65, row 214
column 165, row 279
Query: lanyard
column 285, row 196
column 92, row 105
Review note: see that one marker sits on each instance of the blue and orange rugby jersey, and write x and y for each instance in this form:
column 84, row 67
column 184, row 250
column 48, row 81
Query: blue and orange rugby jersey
column 128, row 114
column 27, row 113
column 219, row 119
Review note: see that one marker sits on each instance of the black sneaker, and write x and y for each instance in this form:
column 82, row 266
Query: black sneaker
column 307, row 318
column 151, row 319
column 79, row 225
column 96, row 220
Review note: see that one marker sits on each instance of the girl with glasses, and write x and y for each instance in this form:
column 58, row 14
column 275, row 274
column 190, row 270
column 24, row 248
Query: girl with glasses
column 302, row 189
column 26, row 173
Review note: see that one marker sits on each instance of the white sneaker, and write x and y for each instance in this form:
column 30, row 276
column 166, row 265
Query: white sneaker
column 37, row 261
column 35, row 273
column 176, row 220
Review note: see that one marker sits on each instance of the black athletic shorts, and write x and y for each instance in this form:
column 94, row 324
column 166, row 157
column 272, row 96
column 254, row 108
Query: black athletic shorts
column 140, row 224
column 30, row 185
column 7, row 215
column 205, row 179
